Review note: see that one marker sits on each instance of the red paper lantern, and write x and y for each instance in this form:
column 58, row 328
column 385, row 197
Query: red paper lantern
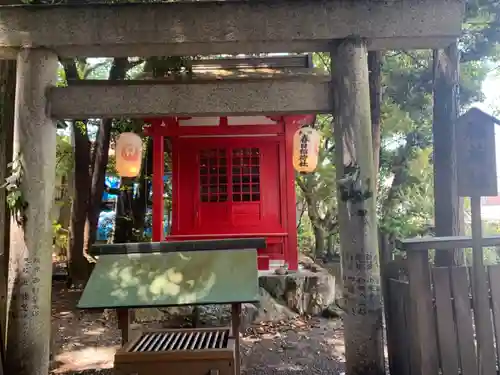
column 306, row 149
column 128, row 154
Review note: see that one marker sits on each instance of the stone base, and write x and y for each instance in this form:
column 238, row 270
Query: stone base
column 266, row 310
column 309, row 292
column 306, row 292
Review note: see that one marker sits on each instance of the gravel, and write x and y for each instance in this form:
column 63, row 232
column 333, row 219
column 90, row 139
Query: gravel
column 84, row 343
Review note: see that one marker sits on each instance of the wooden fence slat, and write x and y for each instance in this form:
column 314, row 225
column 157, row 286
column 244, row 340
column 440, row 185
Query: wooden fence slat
column 486, row 347
column 463, row 316
column 447, row 334
column 391, row 305
column 423, row 326
column 405, row 298
column 2, row 353
column 494, row 278
column 399, row 327
column 385, row 253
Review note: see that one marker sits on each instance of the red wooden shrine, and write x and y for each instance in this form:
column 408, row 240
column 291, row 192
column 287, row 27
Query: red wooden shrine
column 231, row 177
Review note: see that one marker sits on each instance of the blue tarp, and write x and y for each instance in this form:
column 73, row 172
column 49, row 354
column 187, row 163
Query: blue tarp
column 107, row 222
column 107, row 218
column 113, row 182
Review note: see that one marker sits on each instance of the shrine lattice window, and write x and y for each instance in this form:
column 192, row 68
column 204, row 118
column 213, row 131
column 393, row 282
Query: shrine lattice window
column 245, row 174
column 213, row 175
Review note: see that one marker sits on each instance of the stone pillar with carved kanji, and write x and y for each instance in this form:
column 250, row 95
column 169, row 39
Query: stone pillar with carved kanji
column 356, row 191
column 31, row 194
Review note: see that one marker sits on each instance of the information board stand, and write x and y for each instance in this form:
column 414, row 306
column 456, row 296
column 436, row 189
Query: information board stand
column 477, row 178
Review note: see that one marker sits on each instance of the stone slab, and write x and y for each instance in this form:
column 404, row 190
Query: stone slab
column 232, row 98
column 213, row 27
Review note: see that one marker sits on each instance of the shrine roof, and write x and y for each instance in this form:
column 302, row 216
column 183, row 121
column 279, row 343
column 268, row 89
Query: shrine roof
column 248, row 73
column 249, row 67
column 172, row 279
column 210, row 75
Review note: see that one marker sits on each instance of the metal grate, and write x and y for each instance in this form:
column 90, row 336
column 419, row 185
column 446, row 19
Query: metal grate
column 182, row 340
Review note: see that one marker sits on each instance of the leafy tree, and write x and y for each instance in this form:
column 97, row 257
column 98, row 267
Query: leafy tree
column 91, row 139
column 405, row 180
column 90, row 166
column 318, row 195
column 64, row 156
column 131, row 211
column 64, row 191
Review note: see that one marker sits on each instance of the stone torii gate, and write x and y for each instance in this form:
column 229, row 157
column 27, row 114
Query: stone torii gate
column 38, row 35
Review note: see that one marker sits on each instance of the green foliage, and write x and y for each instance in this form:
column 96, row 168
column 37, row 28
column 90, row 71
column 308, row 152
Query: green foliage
column 141, row 235
column 60, row 237
column 306, row 237
column 481, row 31
column 405, row 200
column 491, row 254
column 409, row 211
column 317, row 192
column 64, row 156
column 406, row 179
column 15, row 199
column 405, row 203
column 168, row 66
column 111, row 167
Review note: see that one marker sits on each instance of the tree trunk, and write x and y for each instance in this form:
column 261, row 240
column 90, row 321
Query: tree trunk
column 89, row 178
column 100, row 159
column 98, row 171
column 357, row 209
column 398, row 169
column 30, row 268
column 124, row 223
column 65, row 213
column 78, row 265
column 447, row 202
column 375, row 78
column 319, row 242
column 7, row 92
column 330, row 250
column 314, row 216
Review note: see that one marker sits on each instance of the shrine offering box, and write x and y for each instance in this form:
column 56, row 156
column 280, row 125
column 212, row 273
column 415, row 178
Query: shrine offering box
column 209, row 351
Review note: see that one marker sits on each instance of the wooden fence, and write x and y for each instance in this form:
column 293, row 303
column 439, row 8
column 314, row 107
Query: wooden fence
column 398, row 325
column 430, row 319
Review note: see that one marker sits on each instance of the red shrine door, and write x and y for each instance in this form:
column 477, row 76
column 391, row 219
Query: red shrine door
column 231, row 187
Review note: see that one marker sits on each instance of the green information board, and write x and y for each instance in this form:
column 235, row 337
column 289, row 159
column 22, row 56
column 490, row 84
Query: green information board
column 172, row 279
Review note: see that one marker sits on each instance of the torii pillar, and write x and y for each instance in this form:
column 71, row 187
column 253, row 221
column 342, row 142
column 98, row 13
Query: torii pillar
column 30, row 266
column 357, row 217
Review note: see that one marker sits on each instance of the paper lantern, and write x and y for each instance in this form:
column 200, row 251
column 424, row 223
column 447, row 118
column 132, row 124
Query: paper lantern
column 128, row 154
column 305, row 150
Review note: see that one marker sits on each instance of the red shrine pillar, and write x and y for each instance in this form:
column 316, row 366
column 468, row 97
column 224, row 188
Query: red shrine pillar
column 155, row 131
column 291, row 245
column 292, row 124
column 158, row 186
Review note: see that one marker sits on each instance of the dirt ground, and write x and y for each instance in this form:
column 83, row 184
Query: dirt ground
column 85, row 342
